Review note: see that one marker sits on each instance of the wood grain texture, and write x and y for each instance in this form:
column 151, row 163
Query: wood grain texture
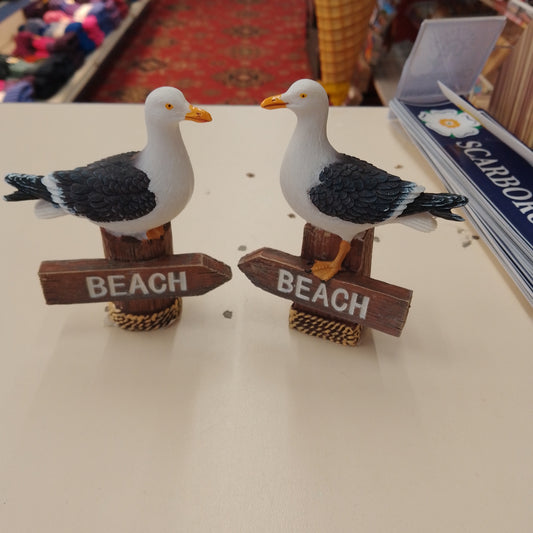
column 352, row 298
column 66, row 281
column 132, row 250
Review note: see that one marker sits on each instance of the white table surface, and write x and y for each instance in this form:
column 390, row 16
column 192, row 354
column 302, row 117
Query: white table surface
column 241, row 424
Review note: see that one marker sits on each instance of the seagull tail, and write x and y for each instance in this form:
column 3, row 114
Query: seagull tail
column 29, row 187
column 437, row 204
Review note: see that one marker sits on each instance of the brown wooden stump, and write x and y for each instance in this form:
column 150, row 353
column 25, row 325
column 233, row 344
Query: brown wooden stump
column 322, row 245
column 142, row 314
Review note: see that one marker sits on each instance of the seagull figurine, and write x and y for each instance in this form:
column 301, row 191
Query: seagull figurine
column 132, row 193
column 340, row 193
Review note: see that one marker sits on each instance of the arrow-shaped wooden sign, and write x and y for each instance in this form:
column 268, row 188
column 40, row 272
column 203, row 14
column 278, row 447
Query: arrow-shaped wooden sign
column 352, row 298
column 100, row 280
column 140, row 279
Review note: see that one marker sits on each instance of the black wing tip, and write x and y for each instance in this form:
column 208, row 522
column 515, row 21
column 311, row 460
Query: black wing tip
column 448, row 215
column 456, row 201
column 10, row 178
column 18, row 196
column 460, row 200
column 29, row 187
column 15, row 178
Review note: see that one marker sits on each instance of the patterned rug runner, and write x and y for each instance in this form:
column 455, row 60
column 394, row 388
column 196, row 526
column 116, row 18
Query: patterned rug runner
column 215, row 51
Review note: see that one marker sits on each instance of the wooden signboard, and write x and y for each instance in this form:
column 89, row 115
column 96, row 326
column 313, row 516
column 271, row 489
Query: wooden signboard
column 143, row 281
column 351, row 298
column 100, row 280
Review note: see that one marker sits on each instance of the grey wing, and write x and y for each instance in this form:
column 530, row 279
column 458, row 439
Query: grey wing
column 358, row 192
column 108, row 190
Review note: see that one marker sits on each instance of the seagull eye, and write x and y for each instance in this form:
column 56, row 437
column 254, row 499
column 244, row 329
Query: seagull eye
column 303, row 95
column 169, row 106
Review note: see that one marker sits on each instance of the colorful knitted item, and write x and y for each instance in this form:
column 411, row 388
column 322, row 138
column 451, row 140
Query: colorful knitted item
column 21, row 91
column 23, row 44
column 54, row 41
column 86, row 44
column 93, row 31
column 55, row 15
column 35, row 26
column 68, row 8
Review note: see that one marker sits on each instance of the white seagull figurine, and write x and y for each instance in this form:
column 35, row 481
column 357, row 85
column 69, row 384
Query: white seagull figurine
column 340, row 193
column 133, row 193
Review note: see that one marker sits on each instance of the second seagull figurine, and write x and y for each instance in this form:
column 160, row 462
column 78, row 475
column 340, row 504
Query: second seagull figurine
column 342, row 194
column 133, row 193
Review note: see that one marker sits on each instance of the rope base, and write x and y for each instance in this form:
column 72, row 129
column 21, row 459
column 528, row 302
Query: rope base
column 148, row 322
column 324, row 328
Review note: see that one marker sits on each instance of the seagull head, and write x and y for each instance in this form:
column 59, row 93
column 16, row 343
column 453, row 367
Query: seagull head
column 302, row 97
column 168, row 106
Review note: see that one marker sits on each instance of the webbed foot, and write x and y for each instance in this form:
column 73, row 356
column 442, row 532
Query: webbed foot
column 155, row 233
column 325, row 270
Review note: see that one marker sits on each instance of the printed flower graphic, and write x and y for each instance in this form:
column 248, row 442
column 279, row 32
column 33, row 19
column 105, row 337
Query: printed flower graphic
column 450, row 122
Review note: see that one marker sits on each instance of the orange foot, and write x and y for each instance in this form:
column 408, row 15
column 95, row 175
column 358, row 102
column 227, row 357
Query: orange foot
column 155, row 233
column 325, row 270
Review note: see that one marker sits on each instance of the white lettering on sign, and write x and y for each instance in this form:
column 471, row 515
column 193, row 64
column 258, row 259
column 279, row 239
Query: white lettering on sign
column 340, row 299
column 119, row 285
column 137, row 284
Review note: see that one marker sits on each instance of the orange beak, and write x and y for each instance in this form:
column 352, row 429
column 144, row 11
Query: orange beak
column 273, row 102
column 198, row 115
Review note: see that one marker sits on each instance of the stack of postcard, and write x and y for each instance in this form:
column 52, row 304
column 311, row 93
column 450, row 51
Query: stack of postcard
column 471, row 153
column 472, row 161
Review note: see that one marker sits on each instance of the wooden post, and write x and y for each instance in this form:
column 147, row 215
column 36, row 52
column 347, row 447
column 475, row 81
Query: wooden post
column 142, row 314
column 322, row 245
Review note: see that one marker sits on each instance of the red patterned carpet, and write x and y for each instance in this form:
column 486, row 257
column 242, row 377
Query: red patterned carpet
column 215, row 51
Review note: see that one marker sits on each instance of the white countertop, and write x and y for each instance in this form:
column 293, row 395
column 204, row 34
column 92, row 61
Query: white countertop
column 241, row 424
